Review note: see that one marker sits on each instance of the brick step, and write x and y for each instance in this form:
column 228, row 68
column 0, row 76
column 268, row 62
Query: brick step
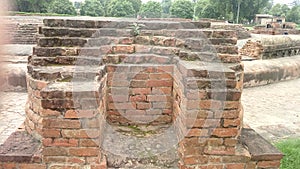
column 22, row 149
column 62, row 41
column 198, row 69
column 191, row 33
column 87, row 32
column 65, row 73
column 70, row 32
column 139, row 147
column 125, row 23
column 70, row 51
column 65, row 60
column 137, row 59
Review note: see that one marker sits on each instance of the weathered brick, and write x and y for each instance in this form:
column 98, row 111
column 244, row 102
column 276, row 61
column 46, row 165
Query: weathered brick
column 59, row 142
column 64, row 166
column 225, row 132
column 194, row 160
column 84, row 152
column 55, row 151
column 159, row 83
column 32, row 166
column 268, row 164
column 61, row 123
column 198, row 133
column 51, row 133
column 80, row 134
column 75, row 114
column 88, row 143
column 234, row 166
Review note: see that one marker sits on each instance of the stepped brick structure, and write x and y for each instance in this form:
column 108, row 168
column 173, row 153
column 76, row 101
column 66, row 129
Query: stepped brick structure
column 117, row 94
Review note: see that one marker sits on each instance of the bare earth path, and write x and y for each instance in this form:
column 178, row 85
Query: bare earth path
column 273, row 110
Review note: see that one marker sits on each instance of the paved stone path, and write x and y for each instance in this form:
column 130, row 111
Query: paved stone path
column 12, row 114
column 273, row 110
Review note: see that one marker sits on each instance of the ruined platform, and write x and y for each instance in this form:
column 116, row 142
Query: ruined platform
column 88, row 77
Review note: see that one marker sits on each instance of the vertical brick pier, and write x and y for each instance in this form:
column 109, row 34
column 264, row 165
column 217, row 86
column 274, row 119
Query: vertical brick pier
column 87, row 78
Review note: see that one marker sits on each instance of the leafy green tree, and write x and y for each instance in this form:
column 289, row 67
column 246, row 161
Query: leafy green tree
column 136, row 4
column 151, row 9
column 182, row 9
column 294, row 14
column 207, row 11
column 77, row 4
column 279, row 10
column 166, row 5
column 92, row 8
column 37, row 6
column 201, row 9
column 62, row 7
column 120, row 8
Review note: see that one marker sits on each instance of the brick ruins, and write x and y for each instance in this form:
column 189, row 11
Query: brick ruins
column 87, row 77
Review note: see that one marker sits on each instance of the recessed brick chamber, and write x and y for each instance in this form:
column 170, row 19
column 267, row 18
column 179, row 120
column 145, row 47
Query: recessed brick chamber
column 87, row 78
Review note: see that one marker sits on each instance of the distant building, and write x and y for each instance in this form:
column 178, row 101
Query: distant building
column 264, row 19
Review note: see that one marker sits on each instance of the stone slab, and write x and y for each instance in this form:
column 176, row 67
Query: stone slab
column 19, row 147
column 259, row 148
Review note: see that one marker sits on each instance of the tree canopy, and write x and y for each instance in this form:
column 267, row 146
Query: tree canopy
column 151, row 9
column 182, row 9
column 197, row 9
column 92, row 8
column 62, row 7
column 120, row 8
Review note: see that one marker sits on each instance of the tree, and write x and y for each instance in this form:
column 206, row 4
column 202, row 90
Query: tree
column 77, row 4
column 151, row 9
column 294, row 14
column 136, row 4
column 37, row 6
column 166, row 5
column 279, row 10
column 120, row 8
column 182, row 9
column 62, row 7
column 92, row 8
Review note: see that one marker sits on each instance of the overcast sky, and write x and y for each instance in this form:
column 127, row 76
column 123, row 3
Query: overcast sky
column 275, row 1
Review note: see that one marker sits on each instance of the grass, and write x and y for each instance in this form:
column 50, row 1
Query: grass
column 291, row 150
column 14, row 13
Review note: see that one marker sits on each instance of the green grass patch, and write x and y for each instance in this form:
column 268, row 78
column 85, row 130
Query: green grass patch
column 15, row 13
column 291, row 150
